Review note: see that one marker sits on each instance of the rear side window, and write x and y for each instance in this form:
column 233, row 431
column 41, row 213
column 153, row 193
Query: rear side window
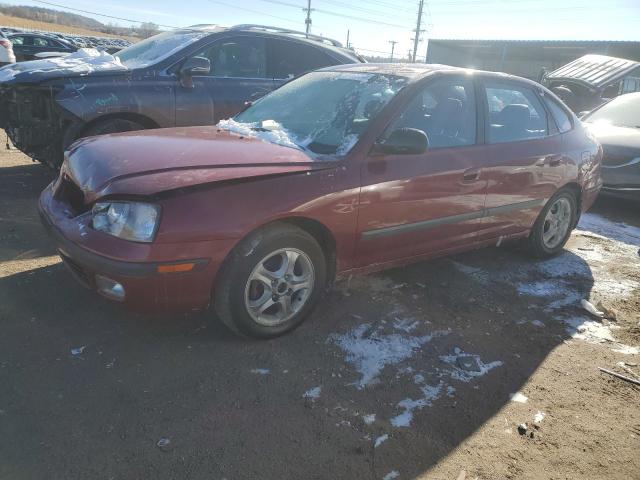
column 292, row 59
column 559, row 115
column 240, row 57
column 514, row 113
column 446, row 111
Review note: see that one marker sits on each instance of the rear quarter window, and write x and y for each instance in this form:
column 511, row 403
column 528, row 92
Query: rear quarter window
column 560, row 116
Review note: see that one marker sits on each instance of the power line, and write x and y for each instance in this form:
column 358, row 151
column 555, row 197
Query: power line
column 97, row 14
column 364, row 10
column 254, row 11
column 336, row 14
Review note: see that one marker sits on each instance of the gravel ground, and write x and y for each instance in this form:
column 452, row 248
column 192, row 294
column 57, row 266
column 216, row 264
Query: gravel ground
column 421, row 372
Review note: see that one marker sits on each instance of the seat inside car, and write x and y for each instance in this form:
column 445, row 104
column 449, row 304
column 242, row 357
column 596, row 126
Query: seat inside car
column 512, row 123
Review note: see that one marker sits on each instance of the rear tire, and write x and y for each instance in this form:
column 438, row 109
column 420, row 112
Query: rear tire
column 112, row 125
column 271, row 282
column 553, row 226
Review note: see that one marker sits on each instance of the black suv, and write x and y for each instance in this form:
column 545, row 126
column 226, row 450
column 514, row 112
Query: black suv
column 193, row 76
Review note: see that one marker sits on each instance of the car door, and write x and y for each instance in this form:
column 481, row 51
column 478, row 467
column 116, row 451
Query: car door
column 413, row 205
column 238, row 73
column 289, row 59
column 22, row 47
column 524, row 165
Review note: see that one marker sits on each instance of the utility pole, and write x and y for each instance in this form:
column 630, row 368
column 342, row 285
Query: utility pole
column 393, row 47
column 348, row 32
column 308, row 19
column 416, row 38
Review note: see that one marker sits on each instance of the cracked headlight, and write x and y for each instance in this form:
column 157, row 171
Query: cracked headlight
column 128, row 220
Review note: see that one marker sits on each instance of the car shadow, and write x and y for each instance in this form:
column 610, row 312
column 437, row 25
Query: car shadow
column 92, row 388
column 21, row 235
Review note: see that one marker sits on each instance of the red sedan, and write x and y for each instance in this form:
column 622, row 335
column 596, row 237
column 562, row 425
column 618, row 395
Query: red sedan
column 349, row 169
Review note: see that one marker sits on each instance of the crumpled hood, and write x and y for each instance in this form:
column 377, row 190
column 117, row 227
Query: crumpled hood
column 153, row 161
column 83, row 62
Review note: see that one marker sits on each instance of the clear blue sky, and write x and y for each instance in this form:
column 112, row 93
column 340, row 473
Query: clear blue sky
column 373, row 23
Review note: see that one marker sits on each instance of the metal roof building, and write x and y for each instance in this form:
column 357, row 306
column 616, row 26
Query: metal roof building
column 525, row 58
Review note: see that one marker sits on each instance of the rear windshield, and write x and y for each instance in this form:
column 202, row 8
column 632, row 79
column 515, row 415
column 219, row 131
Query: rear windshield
column 157, row 48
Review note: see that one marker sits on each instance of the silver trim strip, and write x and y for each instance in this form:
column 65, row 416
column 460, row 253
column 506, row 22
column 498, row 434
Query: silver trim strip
column 438, row 222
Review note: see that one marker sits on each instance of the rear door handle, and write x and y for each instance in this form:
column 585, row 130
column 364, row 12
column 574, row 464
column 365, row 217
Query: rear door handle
column 471, row 175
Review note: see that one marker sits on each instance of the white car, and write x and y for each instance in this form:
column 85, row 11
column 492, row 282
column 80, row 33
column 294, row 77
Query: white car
column 6, row 51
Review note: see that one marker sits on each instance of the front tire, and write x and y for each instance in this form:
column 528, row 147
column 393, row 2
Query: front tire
column 553, row 227
column 271, row 282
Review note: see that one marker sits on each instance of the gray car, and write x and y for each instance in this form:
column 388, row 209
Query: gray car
column 616, row 125
column 193, row 76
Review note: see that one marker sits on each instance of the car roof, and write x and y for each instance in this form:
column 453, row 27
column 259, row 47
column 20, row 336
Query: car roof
column 310, row 39
column 418, row 71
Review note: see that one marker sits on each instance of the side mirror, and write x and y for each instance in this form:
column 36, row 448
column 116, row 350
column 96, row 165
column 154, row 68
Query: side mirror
column 583, row 114
column 403, row 141
column 194, row 66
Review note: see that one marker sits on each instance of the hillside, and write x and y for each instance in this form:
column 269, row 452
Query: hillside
column 15, row 22
column 51, row 16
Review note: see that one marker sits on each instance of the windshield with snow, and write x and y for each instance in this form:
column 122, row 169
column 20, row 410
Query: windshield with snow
column 157, row 48
column 322, row 112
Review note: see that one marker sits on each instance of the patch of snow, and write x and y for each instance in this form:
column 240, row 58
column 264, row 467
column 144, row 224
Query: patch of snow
column 370, row 353
column 617, row 231
column 538, row 323
column 518, row 397
column 268, row 131
column 418, row 378
column 369, row 419
column 77, row 350
column 589, row 330
column 539, row 417
column 82, row 62
column 405, row 324
column 260, row 371
column 391, row 475
column 380, row 440
column 626, row 349
column 450, row 391
column 313, row 393
column 466, row 375
column 429, row 395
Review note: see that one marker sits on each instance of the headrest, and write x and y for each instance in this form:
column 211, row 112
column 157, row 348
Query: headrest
column 449, row 106
column 515, row 114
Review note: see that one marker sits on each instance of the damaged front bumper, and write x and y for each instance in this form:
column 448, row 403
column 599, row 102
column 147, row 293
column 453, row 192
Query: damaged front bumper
column 34, row 122
column 135, row 279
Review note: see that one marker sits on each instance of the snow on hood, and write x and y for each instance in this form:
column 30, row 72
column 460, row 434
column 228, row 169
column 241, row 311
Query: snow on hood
column 269, row 131
column 82, row 62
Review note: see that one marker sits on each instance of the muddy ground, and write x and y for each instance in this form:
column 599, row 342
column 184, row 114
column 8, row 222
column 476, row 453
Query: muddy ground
column 406, row 374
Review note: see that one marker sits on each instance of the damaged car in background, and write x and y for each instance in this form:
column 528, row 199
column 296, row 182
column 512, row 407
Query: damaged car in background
column 345, row 170
column 616, row 125
column 592, row 80
column 193, row 76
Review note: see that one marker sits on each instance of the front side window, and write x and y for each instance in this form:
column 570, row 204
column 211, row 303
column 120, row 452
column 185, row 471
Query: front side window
column 321, row 112
column 241, row 57
column 42, row 42
column 291, row 59
column 514, row 113
column 445, row 111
